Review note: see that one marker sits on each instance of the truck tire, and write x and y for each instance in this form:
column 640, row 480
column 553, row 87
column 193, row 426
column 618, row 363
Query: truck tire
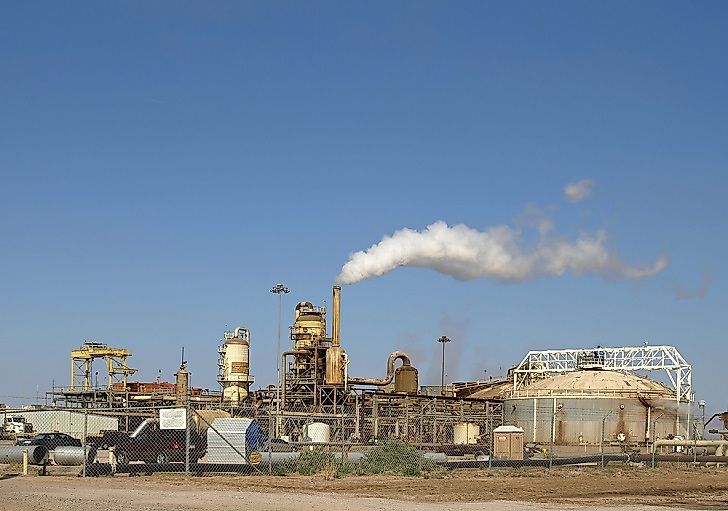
column 122, row 458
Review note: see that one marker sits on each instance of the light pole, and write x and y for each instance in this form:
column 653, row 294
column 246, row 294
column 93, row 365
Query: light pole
column 442, row 340
column 280, row 290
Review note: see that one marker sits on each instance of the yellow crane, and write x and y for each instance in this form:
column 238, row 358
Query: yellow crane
column 82, row 364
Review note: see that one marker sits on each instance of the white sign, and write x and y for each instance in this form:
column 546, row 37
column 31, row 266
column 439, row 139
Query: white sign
column 173, row 418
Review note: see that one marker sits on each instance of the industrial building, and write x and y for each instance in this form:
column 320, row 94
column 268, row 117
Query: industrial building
column 70, row 422
column 586, row 398
column 576, row 399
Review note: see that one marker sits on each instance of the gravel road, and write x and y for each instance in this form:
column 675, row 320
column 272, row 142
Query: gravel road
column 297, row 493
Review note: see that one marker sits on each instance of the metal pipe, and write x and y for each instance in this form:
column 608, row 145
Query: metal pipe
column 533, row 462
column 70, row 456
column 143, row 426
column 336, row 321
column 691, row 443
column 679, row 458
column 721, row 446
column 648, row 432
column 37, row 454
column 282, row 389
column 380, row 382
column 346, row 371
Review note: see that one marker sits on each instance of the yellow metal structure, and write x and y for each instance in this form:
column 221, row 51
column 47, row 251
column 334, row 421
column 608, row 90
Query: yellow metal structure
column 82, row 364
column 234, row 365
column 309, row 329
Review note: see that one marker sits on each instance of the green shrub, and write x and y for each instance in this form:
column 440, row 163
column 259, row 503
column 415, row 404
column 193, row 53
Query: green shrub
column 390, row 457
column 308, row 463
column 395, row 457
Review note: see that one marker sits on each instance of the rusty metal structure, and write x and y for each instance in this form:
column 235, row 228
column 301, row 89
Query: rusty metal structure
column 315, row 372
column 583, row 398
column 117, row 391
column 316, row 386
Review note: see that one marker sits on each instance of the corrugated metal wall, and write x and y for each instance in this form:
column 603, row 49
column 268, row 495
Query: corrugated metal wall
column 574, row 421
column 65, row 421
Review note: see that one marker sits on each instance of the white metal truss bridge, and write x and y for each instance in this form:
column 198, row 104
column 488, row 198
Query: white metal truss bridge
column 634, row 358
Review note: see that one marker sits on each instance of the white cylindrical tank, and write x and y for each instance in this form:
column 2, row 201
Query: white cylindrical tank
column 234, row 365
column 466, row 433
column 318, row 432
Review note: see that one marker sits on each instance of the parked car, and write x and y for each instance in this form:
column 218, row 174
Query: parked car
column 51, row 440
column 160, row 446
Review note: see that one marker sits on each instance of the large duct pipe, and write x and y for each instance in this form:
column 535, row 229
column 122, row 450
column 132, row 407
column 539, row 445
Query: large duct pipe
column 336, row 321
column 37, row 454
column 401, row 355
column 70, row 456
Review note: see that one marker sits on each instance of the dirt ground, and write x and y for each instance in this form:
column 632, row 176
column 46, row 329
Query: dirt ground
column 513, row 490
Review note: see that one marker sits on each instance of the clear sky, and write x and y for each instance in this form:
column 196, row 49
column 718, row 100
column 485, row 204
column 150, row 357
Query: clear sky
column 164, row 164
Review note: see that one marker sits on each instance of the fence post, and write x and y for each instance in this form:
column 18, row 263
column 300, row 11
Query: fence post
column 551, row 455
column 188, row 425
column 83, row 441
column 601, row 439
column 342, row 434
column 552, row 440
column 271, row 426
column 490, row 452
column 695, row 440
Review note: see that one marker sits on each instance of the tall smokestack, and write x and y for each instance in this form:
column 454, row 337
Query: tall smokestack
column 336, row 322
column 335, row 356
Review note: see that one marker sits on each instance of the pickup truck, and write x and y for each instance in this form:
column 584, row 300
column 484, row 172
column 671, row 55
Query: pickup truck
column 160, row 446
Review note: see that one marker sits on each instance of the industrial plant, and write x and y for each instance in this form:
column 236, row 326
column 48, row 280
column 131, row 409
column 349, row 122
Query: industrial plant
column 575, row 401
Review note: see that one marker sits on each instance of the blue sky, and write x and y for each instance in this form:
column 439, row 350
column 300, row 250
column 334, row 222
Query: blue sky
column 164, row 164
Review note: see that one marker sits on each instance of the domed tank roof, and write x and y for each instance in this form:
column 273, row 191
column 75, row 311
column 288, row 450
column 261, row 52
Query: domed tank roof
column 600, row 382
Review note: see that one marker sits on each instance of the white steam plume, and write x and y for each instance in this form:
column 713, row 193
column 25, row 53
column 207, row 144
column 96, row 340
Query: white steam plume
column 465, row 253
column 576, row 192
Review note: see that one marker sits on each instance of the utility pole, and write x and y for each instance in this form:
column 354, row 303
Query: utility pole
column 443, row 340
column 280, row 290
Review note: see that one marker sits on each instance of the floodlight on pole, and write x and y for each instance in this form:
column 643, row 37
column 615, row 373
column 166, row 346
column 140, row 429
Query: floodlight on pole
column 443, row 340
column 280, row 290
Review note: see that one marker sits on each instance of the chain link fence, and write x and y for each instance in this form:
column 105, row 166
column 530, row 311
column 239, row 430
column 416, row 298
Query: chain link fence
column 404, row 437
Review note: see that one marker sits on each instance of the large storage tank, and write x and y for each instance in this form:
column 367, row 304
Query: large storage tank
column 318, row 432
column 234, row 375
column 587, row 407
column 465, row 433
